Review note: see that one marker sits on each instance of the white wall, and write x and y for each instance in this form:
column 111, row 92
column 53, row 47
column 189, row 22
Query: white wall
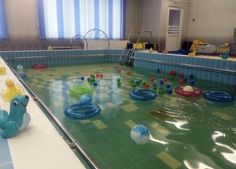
column 132, row 16
column 215, row 20
column 22, row 18
column 151, row 17
column 154, row 18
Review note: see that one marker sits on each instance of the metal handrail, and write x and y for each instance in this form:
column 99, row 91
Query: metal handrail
column 128, row 40
column 77, row 145
column 81, row 37
column 99, row 30
column 130, row 54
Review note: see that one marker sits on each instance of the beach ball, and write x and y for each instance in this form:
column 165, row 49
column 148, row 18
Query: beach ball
column 19, row 67
column 85, row 99
column 140, row 134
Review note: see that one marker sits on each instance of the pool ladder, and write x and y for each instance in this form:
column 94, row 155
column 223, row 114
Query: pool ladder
column 127, row 56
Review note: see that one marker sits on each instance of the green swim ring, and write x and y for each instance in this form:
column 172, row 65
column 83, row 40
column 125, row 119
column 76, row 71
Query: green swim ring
column 79, row 90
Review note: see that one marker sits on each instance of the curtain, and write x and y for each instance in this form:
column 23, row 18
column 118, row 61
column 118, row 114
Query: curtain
column 67, row 18
column 3, row 29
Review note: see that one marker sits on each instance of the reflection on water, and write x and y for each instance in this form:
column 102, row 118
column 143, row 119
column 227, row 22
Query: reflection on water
column 229, row 153
column 198, row 165
column 157, row 141
column 178, row 124
column 193, row 133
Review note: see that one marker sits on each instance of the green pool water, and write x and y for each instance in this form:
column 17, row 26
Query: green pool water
column 184, row 133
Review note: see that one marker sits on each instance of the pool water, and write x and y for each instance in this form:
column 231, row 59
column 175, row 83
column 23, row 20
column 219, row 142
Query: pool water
column 184, row 133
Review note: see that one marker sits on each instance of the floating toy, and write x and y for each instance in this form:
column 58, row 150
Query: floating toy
column 83, row 110
column 168, row 89
column 165, row 79
column 142, row 94
column 188, row 91
column 19, row 68
column 172, row 73
column 192, row 82
column 118, row 82
column 161, row 82
column 133, row 84
column 92, row 76
column 2, row 70
column 17, row 118
column 154, row 87
column 39, row 66
column 181, row 81
column 218, row 96
column 146, row 85
column 11, row 91
column 79, row 90
column 95, row 84
column 152, row 78
column 161, row 90
column 140, row 134
column 85, row 99
column 138, row 82
column 20, row 71
column 82, row 78
column 181, row 76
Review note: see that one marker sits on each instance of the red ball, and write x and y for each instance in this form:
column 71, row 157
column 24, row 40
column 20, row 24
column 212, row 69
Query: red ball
column 165, row 79
column 101, row 75
column 181, row 81
column 97, row 75
column 146, row 85
column 174, row 73
column 152, row 78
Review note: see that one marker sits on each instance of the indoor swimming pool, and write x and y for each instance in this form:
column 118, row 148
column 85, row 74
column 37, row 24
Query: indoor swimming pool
column 184, row 132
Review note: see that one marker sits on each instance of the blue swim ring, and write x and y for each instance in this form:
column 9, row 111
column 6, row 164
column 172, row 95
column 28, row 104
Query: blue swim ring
column 218, row 96
column 142, row 94
column 82, row 111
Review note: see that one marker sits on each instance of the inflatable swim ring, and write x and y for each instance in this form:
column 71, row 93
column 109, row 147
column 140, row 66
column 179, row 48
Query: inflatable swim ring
column 82, row 111
column 39, row 66
column 188, row 91
column 218, row 96
column 142, row 94
column 79, row 90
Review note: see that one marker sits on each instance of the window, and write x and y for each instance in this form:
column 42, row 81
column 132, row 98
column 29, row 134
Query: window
column 3, row 31
column 67, row 18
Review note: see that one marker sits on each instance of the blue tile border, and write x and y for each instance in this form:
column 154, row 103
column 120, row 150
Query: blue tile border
column 5, row 156
column 60, row 57
column 77, row 57
column 204, row 68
